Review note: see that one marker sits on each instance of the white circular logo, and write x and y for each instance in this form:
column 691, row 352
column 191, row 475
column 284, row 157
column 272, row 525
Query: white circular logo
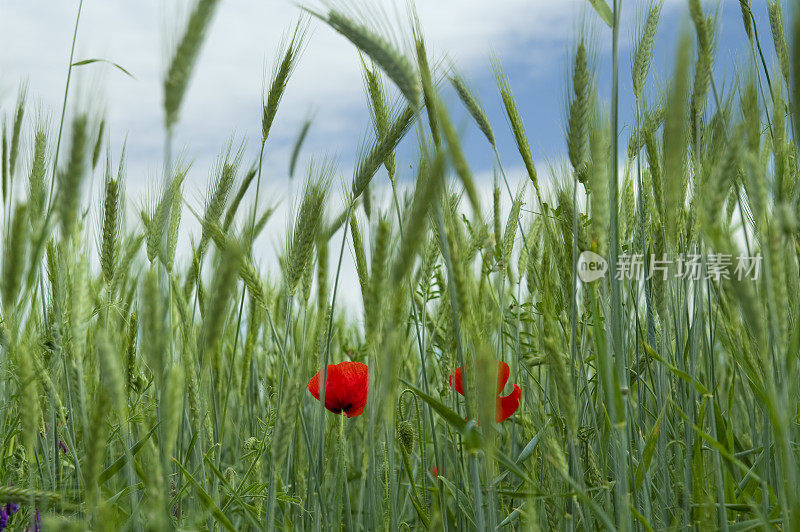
column 591, row 266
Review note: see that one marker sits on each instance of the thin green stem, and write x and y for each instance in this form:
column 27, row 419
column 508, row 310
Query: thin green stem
column 64, row 104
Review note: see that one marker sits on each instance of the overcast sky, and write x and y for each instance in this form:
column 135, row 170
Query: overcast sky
column 532, row 38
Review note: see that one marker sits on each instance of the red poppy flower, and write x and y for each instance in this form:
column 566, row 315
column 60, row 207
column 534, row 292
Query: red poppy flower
column 505, row 406
column 346, row 388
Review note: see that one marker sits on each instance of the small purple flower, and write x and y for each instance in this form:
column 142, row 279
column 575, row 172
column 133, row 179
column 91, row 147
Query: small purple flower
column 62, row 446
column 12, row 507
column 6, row 512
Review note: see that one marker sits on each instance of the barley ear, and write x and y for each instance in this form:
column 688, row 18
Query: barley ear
column 779, row 38
column 111, row 219
column 428, row 87
column 37, row 189
column 4, row 162
column 16, row 132
column 675, row 127
column 227, row 266
column 429, row 186
column 376, row 291
column 510, row 234
column 15, row 253
column 184, row 58
column 643, row 54
column 473, row 107
column 747, row 18
column 308, row 222
column 794, row 87
column 579, row 114
column 111, row 374
column 361, row 258
column 396, row 65
column 288, row 54
column 175, row 202
column 70, row 180
column 459, row 159
column 222, row 179
column 599, row 183
column 515, row 120
column 172, row 408
column 372, row 157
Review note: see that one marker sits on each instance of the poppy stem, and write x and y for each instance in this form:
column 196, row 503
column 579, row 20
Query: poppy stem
column 455, row 311
column 473, row 464
column 420, row 332
column 273, row 467
column 348, row 518
column 326, row 354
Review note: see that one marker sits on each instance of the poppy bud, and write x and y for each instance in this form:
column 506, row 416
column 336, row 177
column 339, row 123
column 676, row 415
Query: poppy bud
column 406, row 436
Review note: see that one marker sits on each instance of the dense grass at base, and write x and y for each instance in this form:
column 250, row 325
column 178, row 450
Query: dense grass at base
column 146, row 392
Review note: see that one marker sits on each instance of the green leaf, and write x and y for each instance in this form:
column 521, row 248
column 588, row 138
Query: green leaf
column 445, row 411
column 461, row 426
column 513, row 516
column 206, row 499
column 106, row 61
column 696, row 384
column 114, row 468
column 527, row 451
column 650, row 446
column 509, row 464
column 413, row 489
column 604, row 11
column 250, row 510
column 639, row 517
column 462, row 500
column 717, row 445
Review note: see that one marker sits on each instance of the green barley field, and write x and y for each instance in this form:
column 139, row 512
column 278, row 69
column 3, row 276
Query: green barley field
column 615, row 347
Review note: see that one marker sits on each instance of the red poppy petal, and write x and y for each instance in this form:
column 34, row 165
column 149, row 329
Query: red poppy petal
column 355, row 411
column 503, row 371
column 330, row 386
column 459, row 381
column 346, row 389
column 507, row 405
column 313, row 385
column 354, row 382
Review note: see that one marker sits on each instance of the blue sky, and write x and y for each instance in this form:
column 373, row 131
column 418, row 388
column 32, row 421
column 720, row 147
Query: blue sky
column 532, row 38
column 541, row 93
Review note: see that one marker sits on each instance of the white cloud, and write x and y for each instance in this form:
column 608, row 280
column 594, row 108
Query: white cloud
column 225, row 92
